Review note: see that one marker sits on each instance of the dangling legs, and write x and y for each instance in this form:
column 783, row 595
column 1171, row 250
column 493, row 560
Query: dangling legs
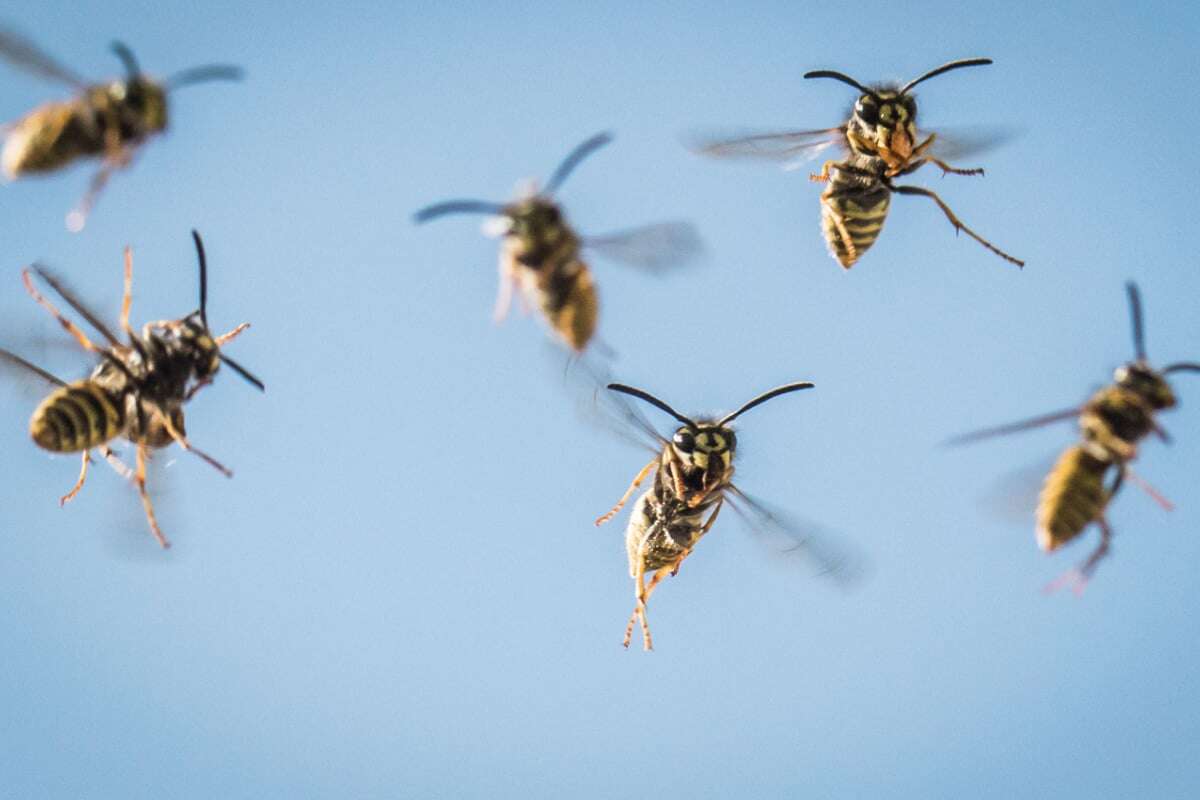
column 955, row 221
column 69, row 496
column 225, row 338
column 140, row 480
column 641, row 476
column 68, row 326
column 182, row 441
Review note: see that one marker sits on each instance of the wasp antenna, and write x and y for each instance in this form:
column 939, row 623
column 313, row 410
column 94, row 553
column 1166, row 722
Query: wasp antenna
column 245, row 373
column 1182, row 366
column 1135, row 319
column 966, row 62
column 765, row 396
column 203, row 276
column 458, row 207
column 204, row 74
column 839, row 76
column 652, row 400
column 573, row 158
column 122, row 51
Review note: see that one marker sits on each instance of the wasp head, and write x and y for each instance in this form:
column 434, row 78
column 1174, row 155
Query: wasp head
column 1147, row 383
column 187, row 344
column 536, row 225
column 884, row 123
column 707, row 448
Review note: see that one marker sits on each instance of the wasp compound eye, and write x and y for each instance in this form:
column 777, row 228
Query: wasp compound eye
column 867, row 109
column 685, row 441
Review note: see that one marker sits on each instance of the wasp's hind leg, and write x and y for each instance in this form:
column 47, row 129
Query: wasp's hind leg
column 955, row 221
column 68, row 326
column 139, row 480
column 83, row 471
column 1079, row 576
column 641, row 476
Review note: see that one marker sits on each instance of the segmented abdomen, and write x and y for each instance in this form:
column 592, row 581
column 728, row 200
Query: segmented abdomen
column 1073, row 497
column 567, row 296
column 850, row 210
column 49, row 137
column 660, row 532
column 77, row 417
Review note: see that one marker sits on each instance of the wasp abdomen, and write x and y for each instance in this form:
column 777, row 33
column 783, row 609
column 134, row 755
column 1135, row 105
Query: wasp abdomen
column 852, row 211
column 77, row 417
column 48, row 138
column 567, row 297
column 1073, row 497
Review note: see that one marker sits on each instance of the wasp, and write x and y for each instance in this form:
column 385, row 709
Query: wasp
column 137, row 390
column 107, row 120
column 880, row 142
column 693, row 480
column 540, row 255
column 1112, row 423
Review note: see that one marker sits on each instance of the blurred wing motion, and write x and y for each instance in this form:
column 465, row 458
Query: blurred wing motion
column 1013, row 497
column 832, row 556
column 609, row 411
column 792, row 148
column 955, row 143
column 1015, row 427
column 64, row 291
column 21, row 52
column 654, row 248
column 13, row 362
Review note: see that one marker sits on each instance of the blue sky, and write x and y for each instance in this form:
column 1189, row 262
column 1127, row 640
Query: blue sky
column 401, row 593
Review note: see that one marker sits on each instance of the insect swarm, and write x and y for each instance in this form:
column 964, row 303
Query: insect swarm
column 107, row 120
column 1112, row 423
column 880, row 142
column 136, row 392
column 693, row 479
column 540, row 252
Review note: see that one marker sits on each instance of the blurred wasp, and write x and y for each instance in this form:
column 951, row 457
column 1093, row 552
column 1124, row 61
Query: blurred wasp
column 879, row 142
column 693, row 479
column 110, row 120
column 138, row 389
column 1112, row 422
column 540, row 254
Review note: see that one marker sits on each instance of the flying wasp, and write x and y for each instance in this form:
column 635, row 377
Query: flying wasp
column 1112, row 423
column 879, row 142
column 693, row 480
column 108, row 120
column 136, row 392
column 540, row 254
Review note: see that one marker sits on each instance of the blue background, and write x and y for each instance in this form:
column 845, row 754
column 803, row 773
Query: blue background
column 401, row 592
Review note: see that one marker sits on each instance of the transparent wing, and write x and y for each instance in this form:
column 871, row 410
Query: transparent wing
column 791, row 536
column 1012, row 498
column 653, row 248
column 953, row 143
column 1015, row 427
column 792, row 148
column 26, row 370
column 607, row 410
column 21, row 52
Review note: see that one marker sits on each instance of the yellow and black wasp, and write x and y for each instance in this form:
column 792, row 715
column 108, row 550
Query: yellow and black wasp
column 137, row 391
column 693, row 480
column 1112, row 423
column 540, row 255
column 880, row 142
column 108, row 120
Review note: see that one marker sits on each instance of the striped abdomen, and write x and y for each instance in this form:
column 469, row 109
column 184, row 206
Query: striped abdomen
column 1072, row 498
column 662, row 527
column 78, row 417
column 852, row 215
column 567, row 297
column 50, row 137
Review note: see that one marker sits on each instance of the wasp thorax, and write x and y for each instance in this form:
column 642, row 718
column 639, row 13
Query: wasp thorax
column 1147, row 383
column 187, row 343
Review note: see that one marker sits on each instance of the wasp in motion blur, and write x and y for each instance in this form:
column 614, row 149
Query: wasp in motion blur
column 540, row 255
column 693, row 479
column 879, row 143
column 138, row 389
column 1112, row 423
column 110, row 120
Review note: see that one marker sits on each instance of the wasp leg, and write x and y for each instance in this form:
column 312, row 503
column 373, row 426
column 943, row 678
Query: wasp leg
column 225, row 338
column 182, row 441
column 69, row 496
column 946, row 168
column 1155, row 495
column 639, row 609
column 823, row 175
column 641, row 476
column 504, row 292
column 68, row 326
column 140, row 480
column 77, row 217
column 1079, row 576
column 119, row 466
column 127, row 292
column 955, row 221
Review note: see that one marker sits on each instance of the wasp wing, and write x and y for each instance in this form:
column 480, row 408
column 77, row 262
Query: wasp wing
column 952, row 143
column 791, row 536
column 792, row 148
column 610, row 411
column 1015, row 427
column 13, row 361
column 22, row 53
column 67, row 294
column 653, row 248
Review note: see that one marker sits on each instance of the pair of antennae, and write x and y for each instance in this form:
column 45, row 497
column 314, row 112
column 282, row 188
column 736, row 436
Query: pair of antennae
column 208, row 72
column 839, row 76
column 236, row 367
column 659, row 404
column 557, row 178
column 1139, row 336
